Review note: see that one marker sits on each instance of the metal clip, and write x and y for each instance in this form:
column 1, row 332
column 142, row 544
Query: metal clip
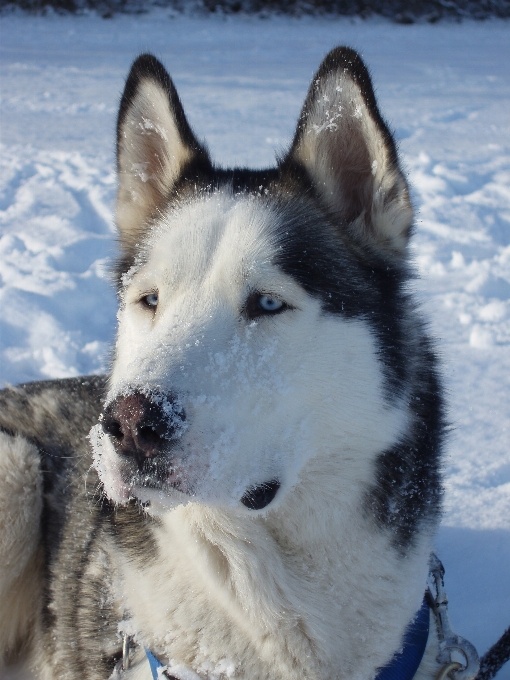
column 123, row 664
column 457, row 654
column 446, row 670
column 126, row 644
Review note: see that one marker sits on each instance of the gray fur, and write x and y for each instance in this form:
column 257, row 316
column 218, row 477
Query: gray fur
column 77, row 616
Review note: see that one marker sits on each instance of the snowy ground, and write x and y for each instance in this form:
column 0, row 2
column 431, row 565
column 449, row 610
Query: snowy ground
column 445, row 89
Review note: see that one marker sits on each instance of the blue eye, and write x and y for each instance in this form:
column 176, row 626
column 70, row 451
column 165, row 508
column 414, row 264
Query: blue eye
column 258, row 304
column 151, row 300
column 269, row 304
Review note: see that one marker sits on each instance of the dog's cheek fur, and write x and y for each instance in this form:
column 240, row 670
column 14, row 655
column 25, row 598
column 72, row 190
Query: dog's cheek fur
column 20, row 558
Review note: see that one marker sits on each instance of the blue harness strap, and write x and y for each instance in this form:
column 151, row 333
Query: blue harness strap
column 153, row 663
column 404, row 665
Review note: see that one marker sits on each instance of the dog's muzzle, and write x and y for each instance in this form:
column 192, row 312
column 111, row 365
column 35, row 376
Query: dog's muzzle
column 142, row 427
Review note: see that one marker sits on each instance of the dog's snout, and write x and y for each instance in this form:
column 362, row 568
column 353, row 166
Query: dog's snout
column 142, row 426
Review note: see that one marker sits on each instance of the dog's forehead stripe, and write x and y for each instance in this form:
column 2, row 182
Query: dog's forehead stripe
column 221, row 233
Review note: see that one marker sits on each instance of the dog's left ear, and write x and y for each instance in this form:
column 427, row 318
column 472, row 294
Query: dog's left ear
column 155, row 144
column 350, row 156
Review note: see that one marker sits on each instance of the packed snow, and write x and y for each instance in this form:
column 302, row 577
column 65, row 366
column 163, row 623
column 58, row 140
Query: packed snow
column 445, row 90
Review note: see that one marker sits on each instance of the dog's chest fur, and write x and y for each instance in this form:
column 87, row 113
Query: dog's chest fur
column 278, row 605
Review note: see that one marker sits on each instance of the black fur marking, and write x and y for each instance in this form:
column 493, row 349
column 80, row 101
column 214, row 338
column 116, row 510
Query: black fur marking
column 349, row 281
column 407, row 493
column 358, row 283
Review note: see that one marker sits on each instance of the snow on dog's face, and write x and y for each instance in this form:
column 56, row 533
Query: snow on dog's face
column 252, row 334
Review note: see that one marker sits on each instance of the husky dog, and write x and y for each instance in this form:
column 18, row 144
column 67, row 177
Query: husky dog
column 260, row 488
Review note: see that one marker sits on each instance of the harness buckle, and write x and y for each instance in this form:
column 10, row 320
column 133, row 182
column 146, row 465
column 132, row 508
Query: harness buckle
column 458, row 656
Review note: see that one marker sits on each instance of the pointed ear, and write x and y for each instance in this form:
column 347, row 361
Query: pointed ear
column 350, row 155
column 154, row 144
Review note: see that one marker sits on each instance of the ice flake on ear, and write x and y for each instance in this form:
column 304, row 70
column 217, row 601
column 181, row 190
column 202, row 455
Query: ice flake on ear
column 140, row 170
column 329, row 123
column 349, row 155
column 147, row 126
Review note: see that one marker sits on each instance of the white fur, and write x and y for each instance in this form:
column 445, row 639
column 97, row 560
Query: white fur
column 307, row 587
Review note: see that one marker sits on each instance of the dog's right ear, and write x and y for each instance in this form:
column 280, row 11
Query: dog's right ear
column 154, row 145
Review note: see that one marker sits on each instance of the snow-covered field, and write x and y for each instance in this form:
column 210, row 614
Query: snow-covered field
column 445, row 89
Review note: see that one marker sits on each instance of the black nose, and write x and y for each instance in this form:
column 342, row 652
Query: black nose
column 141, row 426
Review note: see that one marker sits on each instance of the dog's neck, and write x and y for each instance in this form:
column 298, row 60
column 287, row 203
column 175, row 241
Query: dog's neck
column 405, row 665
column 264, row 593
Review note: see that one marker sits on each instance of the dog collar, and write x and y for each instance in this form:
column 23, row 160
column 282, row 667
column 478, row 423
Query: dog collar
column 404, row 664
column 154, row 663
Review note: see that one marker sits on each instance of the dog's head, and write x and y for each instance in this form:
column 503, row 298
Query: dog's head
column 260, row 324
